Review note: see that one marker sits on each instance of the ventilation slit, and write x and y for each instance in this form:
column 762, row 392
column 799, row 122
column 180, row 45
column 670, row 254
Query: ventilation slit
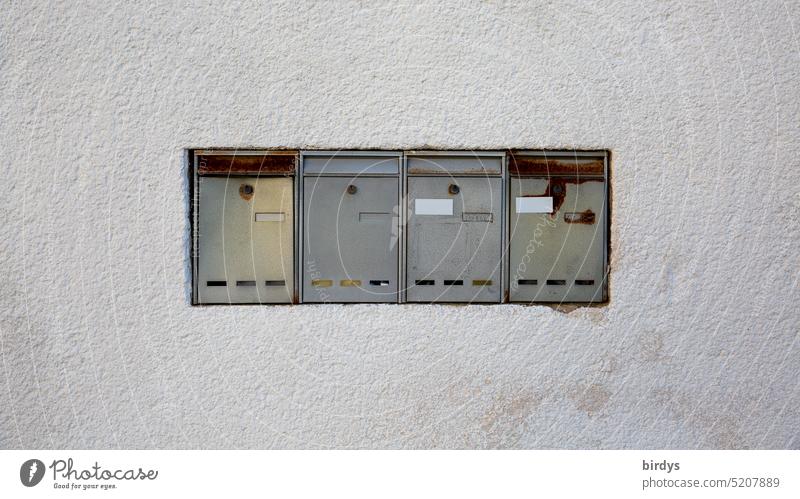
column 556, row 282
column 274, row 283
column 245, row 283
column 216, row 283
column 424, row 282
column 527, row 282
column 584, row 282
column 378, row 283
column 457, row 282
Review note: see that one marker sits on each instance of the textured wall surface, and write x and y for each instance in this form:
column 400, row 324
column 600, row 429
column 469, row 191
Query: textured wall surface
column 698, row 101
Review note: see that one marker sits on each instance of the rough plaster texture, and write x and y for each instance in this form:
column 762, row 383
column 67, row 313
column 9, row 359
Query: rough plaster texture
column 697, row 349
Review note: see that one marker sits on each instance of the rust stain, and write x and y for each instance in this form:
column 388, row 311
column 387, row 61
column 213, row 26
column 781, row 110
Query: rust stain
column 568, row 308
column 246, row 192
column 557, row 189
column 537, row 165
column 584, row 217
column 281, row 162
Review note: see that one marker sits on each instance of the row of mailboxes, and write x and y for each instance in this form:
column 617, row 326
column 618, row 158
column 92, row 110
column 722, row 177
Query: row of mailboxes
column 389, row 227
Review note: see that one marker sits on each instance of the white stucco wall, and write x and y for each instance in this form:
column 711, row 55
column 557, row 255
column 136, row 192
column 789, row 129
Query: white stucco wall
column 699, row 103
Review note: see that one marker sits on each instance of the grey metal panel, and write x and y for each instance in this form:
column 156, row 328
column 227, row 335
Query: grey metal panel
column 454, row 165
column 350, row 241
column 347, row 163
column 254, row 260
column 465, row 246
column 551, row 259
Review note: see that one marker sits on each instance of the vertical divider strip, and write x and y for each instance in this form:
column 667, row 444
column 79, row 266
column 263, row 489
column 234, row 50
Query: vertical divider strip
column 402, row 206
column 300, row 226
column 504, row 230
column 194, row 206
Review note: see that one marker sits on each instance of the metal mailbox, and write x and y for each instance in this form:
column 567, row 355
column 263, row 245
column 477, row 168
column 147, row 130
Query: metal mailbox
column 350, row 227
column 455, row 227
column 244, row 227
column 558, row 227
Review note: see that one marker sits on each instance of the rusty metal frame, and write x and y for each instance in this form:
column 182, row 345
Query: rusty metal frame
column 194, row 193
column 566, row 153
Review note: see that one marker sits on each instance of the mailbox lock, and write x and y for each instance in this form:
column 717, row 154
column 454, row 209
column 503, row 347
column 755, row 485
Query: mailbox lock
column 557, row 189
column 246, row 191
column 453, row 189
column 351, row 189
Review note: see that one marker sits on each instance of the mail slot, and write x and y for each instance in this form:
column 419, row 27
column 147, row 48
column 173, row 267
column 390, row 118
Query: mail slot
column 244, row 227
column 455, row 227
column 350, row 227
column 558, row 227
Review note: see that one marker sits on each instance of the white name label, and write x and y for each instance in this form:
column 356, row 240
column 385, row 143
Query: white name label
column 269, row 217
column 433, row 207
column 535, row 205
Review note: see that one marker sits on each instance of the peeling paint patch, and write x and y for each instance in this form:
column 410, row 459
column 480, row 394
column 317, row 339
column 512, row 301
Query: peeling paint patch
column 590, row 399
column 721, row 428
column 505, row 422
column 651, row 348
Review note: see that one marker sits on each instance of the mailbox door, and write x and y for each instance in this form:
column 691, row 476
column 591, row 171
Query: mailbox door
column 245, row 240
column 350, row 239
column 558, row 256
column 454, row 240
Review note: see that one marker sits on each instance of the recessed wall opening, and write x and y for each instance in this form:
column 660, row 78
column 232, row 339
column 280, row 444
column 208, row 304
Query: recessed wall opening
column 316, row 226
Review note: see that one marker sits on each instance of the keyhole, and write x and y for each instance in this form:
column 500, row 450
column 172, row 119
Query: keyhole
column 246, row 191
